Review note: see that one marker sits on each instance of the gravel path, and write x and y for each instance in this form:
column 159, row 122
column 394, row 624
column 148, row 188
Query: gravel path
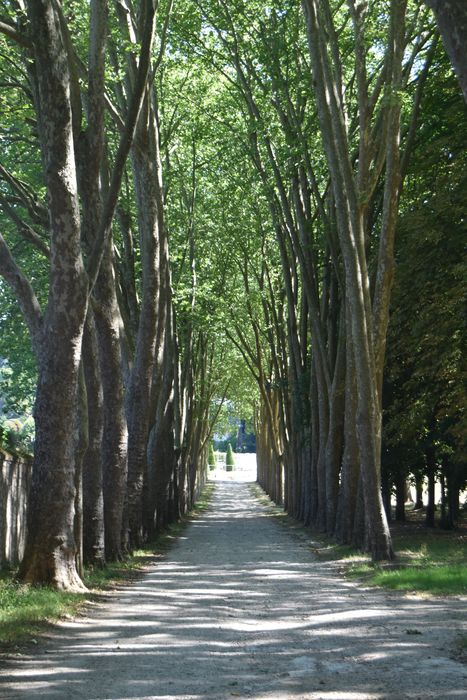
column 241, row 608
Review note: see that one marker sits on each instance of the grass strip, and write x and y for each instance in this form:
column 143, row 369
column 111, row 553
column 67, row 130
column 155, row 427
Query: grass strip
column 26, row 611
column 439, row 580
column 427, row 562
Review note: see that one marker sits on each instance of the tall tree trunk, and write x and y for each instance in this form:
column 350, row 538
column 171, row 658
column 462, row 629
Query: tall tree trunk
column 453, row 499
column 149, row 195
column 50, row 546
column 93, row 505
column 314, row 450
column 350, row 472
column 400, row 497
column 386, row 486
column 418, row 492
column 161, row 444
column 115, row 438
column 335, row 437
column 321, row 440
column 82, row 442
column 98, row 348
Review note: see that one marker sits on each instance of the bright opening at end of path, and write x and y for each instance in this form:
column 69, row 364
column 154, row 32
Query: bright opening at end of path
column 244, row 469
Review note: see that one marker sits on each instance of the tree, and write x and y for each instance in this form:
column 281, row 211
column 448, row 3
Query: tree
column 424, row 420
column 353, row 190
column 304, row 357
column 56, row 335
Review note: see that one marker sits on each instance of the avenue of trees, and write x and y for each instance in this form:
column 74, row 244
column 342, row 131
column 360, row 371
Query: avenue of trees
column 205, row 200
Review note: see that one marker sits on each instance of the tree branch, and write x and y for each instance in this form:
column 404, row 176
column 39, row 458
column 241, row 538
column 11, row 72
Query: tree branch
column 165, row 28
column 36, row 210
column 12, row 33
column 23, row 291
column 26, row 231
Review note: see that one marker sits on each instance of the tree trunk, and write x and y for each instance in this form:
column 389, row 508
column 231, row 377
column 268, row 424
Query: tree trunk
column 93, row 506
column 386, row 488
column 149, row 195
column 89, row 146
column 50, row 546
column 350, row 472
column 82, row 441
column 351, row 233
column 335, row 436
column 453, row 501
column 443, row 509
column 449, row 497
column 321, row 439
column 360, row 531
column 400, row 497
column 312, row 508
column 161, row 446
column 115, row 438
column 431, row 475
column 451, row 16
column 418, row 492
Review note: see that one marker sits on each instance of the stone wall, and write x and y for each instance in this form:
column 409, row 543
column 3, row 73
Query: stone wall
column 15, row 478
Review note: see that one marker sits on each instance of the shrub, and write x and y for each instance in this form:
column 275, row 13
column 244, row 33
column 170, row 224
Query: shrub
column 211, row 457
column 229, row 459
column 17, row 435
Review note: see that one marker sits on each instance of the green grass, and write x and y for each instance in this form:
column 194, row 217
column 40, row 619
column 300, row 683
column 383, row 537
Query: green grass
column 26, row 611
column 427, row 562
column 432, row 547
column 102, row 578
column 439, row 580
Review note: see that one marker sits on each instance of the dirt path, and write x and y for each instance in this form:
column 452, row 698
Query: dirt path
column 240, row 608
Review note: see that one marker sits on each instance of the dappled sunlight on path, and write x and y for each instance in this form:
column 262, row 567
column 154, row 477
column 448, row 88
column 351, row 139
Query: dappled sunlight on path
column 240, row 608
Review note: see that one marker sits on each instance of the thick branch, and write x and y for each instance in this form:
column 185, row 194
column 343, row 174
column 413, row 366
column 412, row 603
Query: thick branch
column 12, row 33
column 23, row 291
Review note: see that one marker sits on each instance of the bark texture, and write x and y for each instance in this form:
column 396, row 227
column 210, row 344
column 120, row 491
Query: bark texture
column 50, row 547
column 451, row 16
column 93, row 506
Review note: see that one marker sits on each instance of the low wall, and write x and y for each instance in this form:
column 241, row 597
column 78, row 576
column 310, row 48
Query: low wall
column 15, row 478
